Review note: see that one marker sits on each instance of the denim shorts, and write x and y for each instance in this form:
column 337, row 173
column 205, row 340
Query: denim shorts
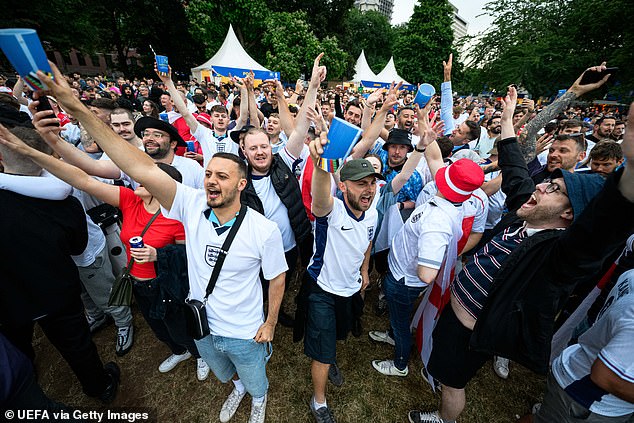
column 228, row 356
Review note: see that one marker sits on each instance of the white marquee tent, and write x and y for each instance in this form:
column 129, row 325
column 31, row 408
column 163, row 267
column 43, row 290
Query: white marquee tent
column 232, row 60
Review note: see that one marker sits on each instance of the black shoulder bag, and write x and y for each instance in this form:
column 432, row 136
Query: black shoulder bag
column 195, row 312
column 121, row 293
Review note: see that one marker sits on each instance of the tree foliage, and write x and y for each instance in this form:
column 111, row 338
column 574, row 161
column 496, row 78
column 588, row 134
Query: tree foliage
column 426, row 40
column 544, row 45
column 369, row 31
column 324, row 16
column 291, row 47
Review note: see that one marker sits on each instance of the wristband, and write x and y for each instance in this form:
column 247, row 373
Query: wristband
column 421, row 150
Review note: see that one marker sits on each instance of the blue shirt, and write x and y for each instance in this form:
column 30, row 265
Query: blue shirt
column 411, row 189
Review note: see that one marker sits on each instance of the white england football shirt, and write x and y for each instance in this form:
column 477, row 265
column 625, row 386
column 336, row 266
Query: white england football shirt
column 341, row 241
column 423, row 240
column 234, row 309
column 611, row 340
column 211, row 145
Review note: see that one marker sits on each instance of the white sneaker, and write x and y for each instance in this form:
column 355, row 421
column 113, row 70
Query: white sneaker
column 202, row 369
column 172, row 361
column 388, row 368
column 501, row 366
column 258, row 411
column 378, row 336
column 416, row 416
column 231, row 405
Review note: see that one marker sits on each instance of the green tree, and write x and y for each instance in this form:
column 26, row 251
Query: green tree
column 209, row 21
column 369, row 31
column 543, row 45
column 323, row 16
column 424, row 42
column 291, row 47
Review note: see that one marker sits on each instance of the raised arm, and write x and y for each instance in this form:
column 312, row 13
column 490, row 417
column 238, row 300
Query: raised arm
column 626, row 184
column 286, row 119
column 179, row 103
column 446, row 97
column 138, row 165
column 320, row 186
column 302, row 123
column 68, row 173
column 516, row 181
column 71, row 154
column 530, row 109
column 252, row 103
column 244, row 103
column 555, row 108
column 18, row 89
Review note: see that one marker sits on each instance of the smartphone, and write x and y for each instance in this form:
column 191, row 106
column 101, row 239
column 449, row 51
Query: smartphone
column 591, row 77
column 44, row 105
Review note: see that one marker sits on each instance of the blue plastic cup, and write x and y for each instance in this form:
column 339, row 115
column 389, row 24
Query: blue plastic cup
column 191, row 146
column 342, row 136
column 164, row 117
column 161, row 64
column 424, row 94
column 24, row 50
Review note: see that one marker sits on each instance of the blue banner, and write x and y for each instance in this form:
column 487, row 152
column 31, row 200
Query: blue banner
column 372, row 84
column 241, row 73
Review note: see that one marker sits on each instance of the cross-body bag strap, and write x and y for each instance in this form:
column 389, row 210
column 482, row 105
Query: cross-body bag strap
column 147, row 226
column 224, row 250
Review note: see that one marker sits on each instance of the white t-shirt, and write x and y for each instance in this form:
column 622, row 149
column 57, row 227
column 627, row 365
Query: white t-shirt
column 193, row 174
column 274, row 209
column 484, row 144
column 234, row 308
column 475, row 208
column 496, row 203
column 211, row 145
column 611, row 340
column 341, row 241
column 422, row 241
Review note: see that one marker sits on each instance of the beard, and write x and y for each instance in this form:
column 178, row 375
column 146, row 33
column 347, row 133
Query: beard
column 539, row 214
column 160, row 153
column 355, row 203
column 224, row 199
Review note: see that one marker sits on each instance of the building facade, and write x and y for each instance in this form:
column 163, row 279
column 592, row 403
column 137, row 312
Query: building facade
column 384, row 7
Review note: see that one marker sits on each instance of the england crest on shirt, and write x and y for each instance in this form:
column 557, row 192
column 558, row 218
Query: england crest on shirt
column 211, row 255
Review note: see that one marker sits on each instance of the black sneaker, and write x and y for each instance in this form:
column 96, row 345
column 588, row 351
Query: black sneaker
column 334, row 375
column 114, row 374
column 322, row 414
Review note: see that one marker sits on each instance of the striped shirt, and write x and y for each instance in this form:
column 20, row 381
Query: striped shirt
column 471, row 286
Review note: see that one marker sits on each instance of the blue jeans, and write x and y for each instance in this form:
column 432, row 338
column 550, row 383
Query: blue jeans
column 400, row 303
column 228, row 356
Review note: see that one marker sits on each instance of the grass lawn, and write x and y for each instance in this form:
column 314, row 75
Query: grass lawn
column 366, row 396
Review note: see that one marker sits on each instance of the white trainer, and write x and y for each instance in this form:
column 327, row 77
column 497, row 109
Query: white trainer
column 388, row 368
column 231, row 405
column 379, row 336
column 202, row 369
column 258, row 411
column 501, row 366
column 172, row 361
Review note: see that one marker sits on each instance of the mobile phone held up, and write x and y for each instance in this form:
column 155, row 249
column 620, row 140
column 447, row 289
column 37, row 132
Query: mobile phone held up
column 592, row 77
column 44, row 105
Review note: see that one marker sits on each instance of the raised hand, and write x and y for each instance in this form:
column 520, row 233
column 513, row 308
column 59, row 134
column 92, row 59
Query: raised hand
column 164, row 77
column 319, row 72
column 60, row 88
column 579, row 89
column 543, row 143
column 376, row 96
column 446, row 66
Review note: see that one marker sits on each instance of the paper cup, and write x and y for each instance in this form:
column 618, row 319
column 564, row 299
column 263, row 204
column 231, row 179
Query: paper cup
column 24, row 50
column 424, row 94
column 161, row 64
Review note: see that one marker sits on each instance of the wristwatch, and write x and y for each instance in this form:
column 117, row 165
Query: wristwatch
column 421, row 150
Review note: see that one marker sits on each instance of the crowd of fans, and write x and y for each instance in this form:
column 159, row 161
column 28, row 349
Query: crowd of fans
column 499, row 228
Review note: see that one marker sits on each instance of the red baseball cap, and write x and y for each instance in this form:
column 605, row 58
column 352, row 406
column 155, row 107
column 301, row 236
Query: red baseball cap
column 457, row 181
